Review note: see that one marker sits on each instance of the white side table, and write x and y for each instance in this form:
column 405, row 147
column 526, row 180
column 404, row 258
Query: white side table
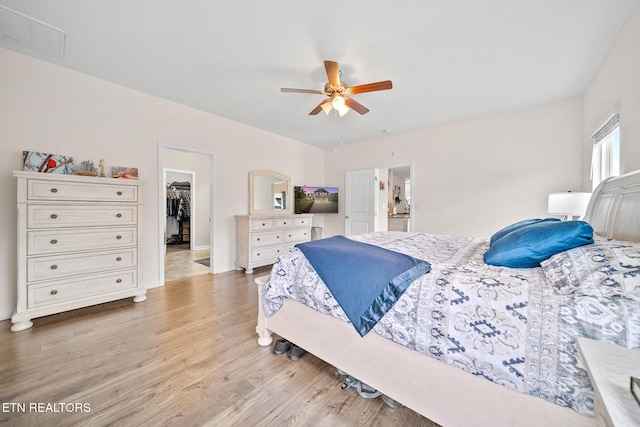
column 610, row 368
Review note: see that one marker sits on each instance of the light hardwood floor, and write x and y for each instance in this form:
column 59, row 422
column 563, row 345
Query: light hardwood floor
column 186, row 357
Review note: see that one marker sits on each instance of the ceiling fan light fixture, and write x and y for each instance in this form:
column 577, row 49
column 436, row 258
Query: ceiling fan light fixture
column 336, row 90
column 338, row 103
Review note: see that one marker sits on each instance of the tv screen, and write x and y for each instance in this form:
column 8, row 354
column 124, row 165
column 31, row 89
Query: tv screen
column 316, row 199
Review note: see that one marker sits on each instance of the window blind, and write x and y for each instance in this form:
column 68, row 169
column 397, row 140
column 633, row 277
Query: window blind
column 606, row 128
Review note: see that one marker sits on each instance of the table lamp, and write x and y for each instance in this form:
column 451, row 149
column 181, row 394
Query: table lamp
column 570, row 205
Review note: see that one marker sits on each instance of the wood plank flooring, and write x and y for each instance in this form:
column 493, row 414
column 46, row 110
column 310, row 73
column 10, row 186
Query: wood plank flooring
column 185, row 357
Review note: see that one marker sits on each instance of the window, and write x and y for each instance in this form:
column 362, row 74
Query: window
column 605, row 160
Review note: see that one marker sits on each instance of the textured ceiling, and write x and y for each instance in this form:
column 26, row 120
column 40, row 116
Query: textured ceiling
column 448, row 60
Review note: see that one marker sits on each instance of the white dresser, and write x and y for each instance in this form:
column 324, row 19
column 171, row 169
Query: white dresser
column 78, row 243
column 261, row 238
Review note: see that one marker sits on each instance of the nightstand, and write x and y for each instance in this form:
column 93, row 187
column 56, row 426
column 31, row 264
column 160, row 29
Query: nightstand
column 610, row 368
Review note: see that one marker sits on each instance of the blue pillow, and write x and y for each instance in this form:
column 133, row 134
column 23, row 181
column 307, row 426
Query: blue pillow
column 531, row 244
column 516, row 225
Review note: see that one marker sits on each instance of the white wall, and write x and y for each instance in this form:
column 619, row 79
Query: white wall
column 48, row 108
column 473, row 177
column 617, row 83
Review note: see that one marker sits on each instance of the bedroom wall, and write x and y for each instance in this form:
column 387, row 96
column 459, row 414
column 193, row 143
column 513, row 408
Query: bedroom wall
column 51, row 109
column 473, row 177
column 617, row 82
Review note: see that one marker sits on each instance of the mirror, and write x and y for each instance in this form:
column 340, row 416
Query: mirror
column 269, row 193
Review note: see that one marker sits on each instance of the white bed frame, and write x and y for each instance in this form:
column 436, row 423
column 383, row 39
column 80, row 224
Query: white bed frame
column 440, row 392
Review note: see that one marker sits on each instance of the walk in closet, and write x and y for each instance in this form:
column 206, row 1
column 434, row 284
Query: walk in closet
column 178, row 212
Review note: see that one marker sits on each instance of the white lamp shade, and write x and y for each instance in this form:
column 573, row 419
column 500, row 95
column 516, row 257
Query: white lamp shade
column 570, row 204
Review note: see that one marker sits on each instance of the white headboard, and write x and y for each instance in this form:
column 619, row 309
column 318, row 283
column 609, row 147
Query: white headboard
column 614, row 208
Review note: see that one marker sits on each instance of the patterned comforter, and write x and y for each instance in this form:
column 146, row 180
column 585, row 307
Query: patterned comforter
column 510, row 326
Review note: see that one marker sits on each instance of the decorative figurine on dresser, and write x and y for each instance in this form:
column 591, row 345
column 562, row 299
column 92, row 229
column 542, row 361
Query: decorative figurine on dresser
column 78, row 243
column 271, row 226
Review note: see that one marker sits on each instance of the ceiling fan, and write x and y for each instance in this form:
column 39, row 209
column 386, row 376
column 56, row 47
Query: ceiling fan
column 338, row 91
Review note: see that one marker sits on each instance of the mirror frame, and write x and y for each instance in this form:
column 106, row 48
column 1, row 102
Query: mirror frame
column 262, row 172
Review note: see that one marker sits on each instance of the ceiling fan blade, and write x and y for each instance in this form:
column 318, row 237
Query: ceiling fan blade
column 370, row 87
column 333, row 73
column 355, row 105
column 319, row 107
column 286, row 89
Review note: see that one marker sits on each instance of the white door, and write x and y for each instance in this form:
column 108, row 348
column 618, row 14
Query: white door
column 360, row 203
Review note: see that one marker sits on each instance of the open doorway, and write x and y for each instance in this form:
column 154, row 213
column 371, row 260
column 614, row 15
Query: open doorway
column 399, row 198
column 186, row 211
column 184, row 255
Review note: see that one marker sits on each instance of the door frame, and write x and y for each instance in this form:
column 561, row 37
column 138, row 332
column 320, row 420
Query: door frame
column 411, row 170
column 162, row 204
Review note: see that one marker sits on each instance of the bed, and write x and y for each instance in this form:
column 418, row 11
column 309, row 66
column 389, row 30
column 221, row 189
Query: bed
column 546, row 387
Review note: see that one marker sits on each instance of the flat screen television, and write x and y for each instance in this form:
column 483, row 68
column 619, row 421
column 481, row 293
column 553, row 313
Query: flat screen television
column 315, row 199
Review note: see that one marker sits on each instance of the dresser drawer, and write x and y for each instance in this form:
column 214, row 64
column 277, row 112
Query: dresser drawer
column 75, row 191
column 267, row 253
column 302, row 222
column 302, row 234
column 262, row 224
column 62, row 291
column 59, row 266
column 42, row 242
column 284, row 223
column 49, row 216
column 263, row 239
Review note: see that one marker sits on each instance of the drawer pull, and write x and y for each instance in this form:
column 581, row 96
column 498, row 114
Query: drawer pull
column 54, row 190
column 54, row 216
column 54, row 241
column 119, row 215
column 119, row 193
column 54, row 267
column 119, row 259
column 263, row 224
column 258, row 239
column 118, row 280
column 118, row 237
column 285, row 223
column 53, row 292
column 277, row 237
column 258, row 254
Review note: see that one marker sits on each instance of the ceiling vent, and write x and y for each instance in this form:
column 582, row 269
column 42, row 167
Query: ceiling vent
column 31, row 33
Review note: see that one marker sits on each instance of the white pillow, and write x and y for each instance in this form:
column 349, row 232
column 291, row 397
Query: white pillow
column 612, row 267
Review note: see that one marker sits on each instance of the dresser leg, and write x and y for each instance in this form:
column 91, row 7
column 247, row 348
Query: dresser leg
column 21, row 326
column 139, row 298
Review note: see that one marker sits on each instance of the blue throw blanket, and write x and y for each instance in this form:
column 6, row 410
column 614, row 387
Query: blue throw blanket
column 366, row 280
